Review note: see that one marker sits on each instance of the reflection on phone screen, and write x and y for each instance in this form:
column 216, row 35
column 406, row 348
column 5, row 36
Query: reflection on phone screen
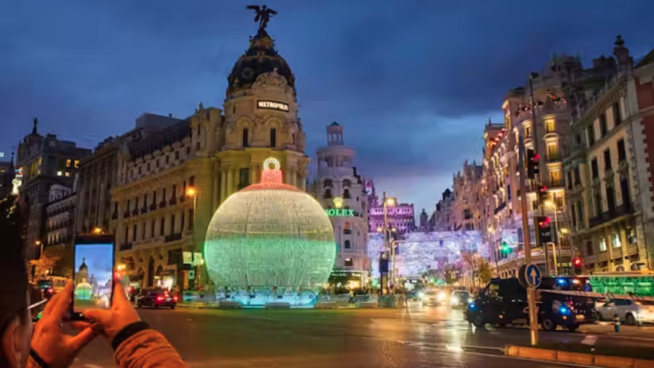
column 93, row 282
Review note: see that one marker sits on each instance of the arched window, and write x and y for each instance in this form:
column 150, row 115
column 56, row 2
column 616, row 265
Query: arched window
column 347, row 183
column 327, row 183
column 347, row 244
column 347, row 229
column 273, row 137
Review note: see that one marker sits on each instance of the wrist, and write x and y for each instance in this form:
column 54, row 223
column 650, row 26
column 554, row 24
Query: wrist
column 37, row 359
column 127, row 332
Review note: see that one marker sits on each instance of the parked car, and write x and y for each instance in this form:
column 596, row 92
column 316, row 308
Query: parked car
column 631, row 312
column 157, row 299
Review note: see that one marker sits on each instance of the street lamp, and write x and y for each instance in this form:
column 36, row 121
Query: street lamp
column 191, row 192
column 97, row 230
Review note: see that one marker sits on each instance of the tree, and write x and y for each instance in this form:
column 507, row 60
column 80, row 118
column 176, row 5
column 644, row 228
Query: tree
column 484, row 273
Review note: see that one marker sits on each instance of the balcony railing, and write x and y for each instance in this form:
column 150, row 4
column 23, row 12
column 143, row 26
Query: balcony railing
column 135, row 212
column 114, row 216
column 610, row 215
column 126, row 214
column 125, row 246
column 153, row 206
column 173, row 201
column 162, row 204
column 144, row 209
column 173, row 237
column 182, row 198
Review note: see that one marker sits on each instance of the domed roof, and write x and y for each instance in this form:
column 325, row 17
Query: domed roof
column 260, row 58
column 83, row 266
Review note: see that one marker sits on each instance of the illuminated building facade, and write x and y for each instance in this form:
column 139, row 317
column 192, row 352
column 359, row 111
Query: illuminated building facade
column 608, row 179
column 43, row 161
column 464, row 214
column 401, row 216
column 171, row 183
column 98, row 174
column 340, row 190
column 59, row 230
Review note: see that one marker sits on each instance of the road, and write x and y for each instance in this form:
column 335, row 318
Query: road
column 419, row 337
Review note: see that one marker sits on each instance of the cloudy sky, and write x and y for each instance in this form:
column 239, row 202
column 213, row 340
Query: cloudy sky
column 413, row 82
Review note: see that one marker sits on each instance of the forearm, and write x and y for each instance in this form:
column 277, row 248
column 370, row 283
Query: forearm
column 145, row 348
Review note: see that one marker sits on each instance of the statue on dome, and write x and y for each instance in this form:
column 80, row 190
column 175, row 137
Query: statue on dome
column 263, row 15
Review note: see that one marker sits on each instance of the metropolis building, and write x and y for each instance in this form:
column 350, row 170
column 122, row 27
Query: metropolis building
column 340, row 190
column 171, row 183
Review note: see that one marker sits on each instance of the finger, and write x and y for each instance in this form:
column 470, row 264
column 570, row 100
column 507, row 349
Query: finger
column 119, row 300
column 98, row 315
column 80, row 325
column 62, row 304
column 49, row 305
column 77, row 342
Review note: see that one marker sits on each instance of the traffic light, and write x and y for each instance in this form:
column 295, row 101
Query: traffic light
column 544, row 230
column 532, row 163
column 505, row 248
column 578, row 263
column 542, row 193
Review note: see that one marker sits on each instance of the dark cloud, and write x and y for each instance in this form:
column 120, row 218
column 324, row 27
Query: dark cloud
column 413, row 82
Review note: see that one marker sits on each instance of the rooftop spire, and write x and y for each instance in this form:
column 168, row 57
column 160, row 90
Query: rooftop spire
column 34, row 128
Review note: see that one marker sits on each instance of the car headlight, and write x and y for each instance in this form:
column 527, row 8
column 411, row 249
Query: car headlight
column 455, row 300
column 470, row 300
column 441, row 296
column 421, row 294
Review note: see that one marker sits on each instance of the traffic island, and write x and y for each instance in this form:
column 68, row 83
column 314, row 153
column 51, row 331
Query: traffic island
column 600, row 356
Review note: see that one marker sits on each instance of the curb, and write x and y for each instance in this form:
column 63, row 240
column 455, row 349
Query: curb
column 576, row 358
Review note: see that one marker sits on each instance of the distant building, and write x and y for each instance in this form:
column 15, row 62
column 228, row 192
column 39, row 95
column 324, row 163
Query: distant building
column 7, row 174
column 401, row 216
column 340, row 188
column 465, row 214
column 59, row 230
column 441, row 218
column 425, row 225
column 43, row 161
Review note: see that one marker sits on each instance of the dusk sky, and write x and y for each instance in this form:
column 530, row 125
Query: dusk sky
column 98, row 258
column 413, row 82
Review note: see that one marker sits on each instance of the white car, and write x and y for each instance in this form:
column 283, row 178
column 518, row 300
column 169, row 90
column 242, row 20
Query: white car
column 433, row 297
column 629, row 311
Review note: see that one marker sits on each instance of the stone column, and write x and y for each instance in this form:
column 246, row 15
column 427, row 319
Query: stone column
column 223, row 185
column 230, row 179
column 294, row 177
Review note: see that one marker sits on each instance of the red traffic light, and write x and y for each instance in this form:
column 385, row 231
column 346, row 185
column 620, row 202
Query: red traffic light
column 536, row 157
column 577, row 261
column 543, row 188
column 545, row 222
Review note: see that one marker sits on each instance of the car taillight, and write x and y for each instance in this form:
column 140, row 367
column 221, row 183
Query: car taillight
column 175, row 298
column 160, row 298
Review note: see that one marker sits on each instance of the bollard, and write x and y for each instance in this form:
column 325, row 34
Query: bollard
column 616, row 323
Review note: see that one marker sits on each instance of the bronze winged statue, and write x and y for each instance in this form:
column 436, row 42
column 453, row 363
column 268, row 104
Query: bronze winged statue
column 263, row 15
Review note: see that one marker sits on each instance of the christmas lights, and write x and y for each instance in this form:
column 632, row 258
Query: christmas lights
column 270, row 242
column 420, row 252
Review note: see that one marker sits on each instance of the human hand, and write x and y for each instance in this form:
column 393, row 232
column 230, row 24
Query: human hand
column 48, row 339
column 120, row 315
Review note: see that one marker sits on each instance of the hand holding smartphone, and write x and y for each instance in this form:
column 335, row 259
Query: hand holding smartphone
column 93, row 274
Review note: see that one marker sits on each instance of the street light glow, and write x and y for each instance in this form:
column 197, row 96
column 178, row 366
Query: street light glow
column 390, row 201
column 97, row 230
column 190, row 192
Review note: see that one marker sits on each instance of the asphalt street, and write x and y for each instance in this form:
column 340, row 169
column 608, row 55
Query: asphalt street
column 417, row 337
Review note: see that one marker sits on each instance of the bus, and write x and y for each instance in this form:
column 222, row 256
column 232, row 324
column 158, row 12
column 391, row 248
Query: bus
column 54, row 283
column 637, row 283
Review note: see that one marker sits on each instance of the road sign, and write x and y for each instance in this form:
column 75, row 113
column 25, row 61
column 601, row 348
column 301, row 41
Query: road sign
column 533, row 275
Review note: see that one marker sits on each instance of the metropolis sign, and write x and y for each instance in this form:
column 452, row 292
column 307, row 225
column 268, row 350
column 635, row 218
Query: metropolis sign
column 272, row 105
column 340, row 212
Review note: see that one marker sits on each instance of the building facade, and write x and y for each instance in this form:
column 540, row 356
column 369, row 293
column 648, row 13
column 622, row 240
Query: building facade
column 7, row 174
column 43, row 161
column 441, row 219
column 464, row 214
column 170, row 184
column 98, row 174
column 607, row 173
column 59, row 231
column 341, row 189
column 400, row 216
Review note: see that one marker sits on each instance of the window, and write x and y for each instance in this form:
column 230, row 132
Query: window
column 273, row 137
column 607, row 159
column 602, row 122
column 550, row 127
column 598, row 203
column 152, row 228
column 59, row 173
column 144, row 230
column 191, row 181
column 163, row 195
column 589, row 248
column 347, row 244
column 569, row 179
column 577, row 176
column 528, row 131
column 617, row 243
column 622, row 153
column 631, row 235
column 555, row 178
column 617, row 119
column 68, row 163
column 76, row 164
column 154, row 197
column 181, row 222
column 553, row 152
column 245, row 140
column 134, row 233
column 176, row 155
column 174, row 190
column 580, row 213
column 348, row 262
column 161, row 226
column 190, row 219
column 602, row 244
column 594, row 169
column 591, row 135
column 172, row 224
column 243, row 178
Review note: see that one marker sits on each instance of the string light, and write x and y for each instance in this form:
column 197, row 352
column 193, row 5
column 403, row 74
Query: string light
column 272, row 240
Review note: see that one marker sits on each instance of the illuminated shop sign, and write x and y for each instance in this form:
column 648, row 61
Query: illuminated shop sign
column 272, row 105
column 340, row 212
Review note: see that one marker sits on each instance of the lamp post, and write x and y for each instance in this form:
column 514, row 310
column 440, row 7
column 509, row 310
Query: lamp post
column 388, row 202
column 191, row 192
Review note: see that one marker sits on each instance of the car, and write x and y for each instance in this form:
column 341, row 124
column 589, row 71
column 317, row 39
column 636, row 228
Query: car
column 632, row 312
column 433, row 297
column 459, row 298
column 155, row 299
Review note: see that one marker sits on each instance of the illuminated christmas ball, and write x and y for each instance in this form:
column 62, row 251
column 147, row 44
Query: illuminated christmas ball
column 83, row 291
column 270, row 236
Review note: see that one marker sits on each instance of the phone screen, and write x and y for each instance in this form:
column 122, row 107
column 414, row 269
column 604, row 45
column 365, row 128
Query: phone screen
column 93, row 276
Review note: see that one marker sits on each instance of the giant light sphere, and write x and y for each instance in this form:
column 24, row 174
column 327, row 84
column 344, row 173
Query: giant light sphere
column 270, row 236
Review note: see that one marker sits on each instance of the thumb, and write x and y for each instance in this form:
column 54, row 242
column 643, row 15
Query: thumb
column 119, row 299
column 97, row 315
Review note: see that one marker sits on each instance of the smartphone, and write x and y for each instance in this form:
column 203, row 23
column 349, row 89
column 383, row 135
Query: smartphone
column 93, row 274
